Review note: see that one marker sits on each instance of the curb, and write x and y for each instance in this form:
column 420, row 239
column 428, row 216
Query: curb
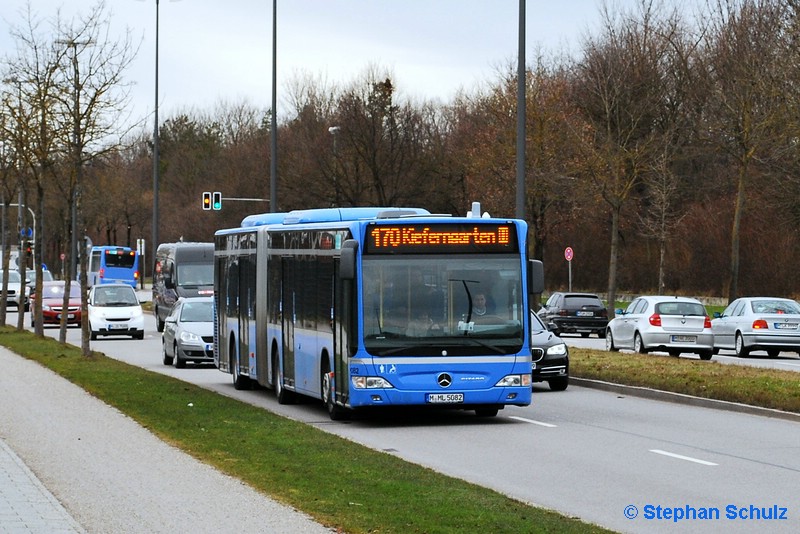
column 680, row 398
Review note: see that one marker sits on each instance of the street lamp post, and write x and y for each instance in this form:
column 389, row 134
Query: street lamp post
column 154, row 244
column 273, row 134
column 334, row 131
column 75, row 255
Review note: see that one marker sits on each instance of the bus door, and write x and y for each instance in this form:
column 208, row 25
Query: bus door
column 342, row 324
column 244, row 317
column 288, row 319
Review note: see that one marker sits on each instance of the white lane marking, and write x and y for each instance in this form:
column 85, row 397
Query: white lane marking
column 681, row 457
column 524, row 420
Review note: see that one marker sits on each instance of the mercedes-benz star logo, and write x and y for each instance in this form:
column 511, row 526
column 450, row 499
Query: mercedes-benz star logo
column 444, row 380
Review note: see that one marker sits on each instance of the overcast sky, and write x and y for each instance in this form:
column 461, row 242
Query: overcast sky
column 217, row 50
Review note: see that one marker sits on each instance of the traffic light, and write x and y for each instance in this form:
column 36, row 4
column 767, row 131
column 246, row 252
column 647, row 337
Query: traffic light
column 217, row 203
column 207, row 200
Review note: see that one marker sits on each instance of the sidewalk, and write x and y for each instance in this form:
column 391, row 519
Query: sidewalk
column 71, row 464
column 25, row 504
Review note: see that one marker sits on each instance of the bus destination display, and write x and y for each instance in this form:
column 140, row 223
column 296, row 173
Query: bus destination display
column 437, row 238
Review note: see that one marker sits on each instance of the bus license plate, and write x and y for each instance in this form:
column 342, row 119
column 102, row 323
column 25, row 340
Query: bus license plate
column 684, row 339
column 445, row 398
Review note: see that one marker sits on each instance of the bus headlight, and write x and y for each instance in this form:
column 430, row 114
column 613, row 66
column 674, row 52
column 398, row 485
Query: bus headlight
column 370, row 382
column 514, row 381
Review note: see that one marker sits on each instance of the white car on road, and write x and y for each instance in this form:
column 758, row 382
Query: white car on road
column 114, row 310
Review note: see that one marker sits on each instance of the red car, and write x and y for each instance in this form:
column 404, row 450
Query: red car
column 53, row 302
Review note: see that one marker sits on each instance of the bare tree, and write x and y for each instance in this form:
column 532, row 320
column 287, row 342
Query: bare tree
column 74, row 75
column 619, row 87
column 748, row 110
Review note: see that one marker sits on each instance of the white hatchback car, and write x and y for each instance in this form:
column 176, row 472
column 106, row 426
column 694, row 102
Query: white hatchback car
column 671, row 324
column 114, row 310
column 17, row 293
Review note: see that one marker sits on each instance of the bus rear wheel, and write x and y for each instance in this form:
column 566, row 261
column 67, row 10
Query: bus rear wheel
column 240, row 382
column 283, row 395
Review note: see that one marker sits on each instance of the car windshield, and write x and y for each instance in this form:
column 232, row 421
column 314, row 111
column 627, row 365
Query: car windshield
column 680, row 308
column 115, row 296
column 537, row 326
column 197, row 312
column 775, row 306
column 413, row 306
column 195, row 274
column 13, row 276
column 55, row 291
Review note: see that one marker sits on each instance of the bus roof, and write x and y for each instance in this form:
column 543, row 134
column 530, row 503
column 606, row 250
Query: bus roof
column 323, row 215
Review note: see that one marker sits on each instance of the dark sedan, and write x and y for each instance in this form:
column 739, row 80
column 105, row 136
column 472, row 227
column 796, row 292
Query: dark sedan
column 575, row 313
column 550, row 356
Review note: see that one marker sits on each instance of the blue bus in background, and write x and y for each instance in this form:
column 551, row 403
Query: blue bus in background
column 109, row 264
column 373, row 307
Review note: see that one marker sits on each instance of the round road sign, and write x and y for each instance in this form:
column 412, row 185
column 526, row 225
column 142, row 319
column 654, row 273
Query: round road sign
column 568, row 254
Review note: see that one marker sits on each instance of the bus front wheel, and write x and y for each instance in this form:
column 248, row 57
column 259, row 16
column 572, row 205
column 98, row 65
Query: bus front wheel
column 335, row 411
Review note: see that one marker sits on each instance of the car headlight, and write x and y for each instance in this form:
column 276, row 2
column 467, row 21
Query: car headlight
column 557, row 350
column 190, row 337
column 45, row 307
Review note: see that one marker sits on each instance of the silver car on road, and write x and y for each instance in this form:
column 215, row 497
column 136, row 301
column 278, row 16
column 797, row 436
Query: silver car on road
column 189, row 332
column 758, row 323
column 662, row 323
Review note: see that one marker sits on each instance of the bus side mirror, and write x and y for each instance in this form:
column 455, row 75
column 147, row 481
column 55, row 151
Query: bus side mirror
column 347, row 263
column 535, row 277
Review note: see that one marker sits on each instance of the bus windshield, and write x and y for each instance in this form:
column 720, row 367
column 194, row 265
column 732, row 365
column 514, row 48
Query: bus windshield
column 464, row 305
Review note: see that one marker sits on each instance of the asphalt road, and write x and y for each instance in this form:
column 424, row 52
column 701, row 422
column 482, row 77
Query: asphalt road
column 591, row 454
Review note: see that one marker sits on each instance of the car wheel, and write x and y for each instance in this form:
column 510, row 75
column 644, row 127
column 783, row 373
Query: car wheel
column 159, row 322
column 638, row 346
column 138, row 335
column 559, row 384
column 93, row 335
column 706, row 355
column 741, row 350
column 584, row 334
column 601, row 334
column 165, row 358
column 773, row 353
column 610, row 342
column 674, row 353
column 179, row 362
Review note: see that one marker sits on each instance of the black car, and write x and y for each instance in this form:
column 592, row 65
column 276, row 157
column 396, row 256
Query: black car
column 550, row 356
column 575, row 313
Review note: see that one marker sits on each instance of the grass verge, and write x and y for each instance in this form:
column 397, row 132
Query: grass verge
column 767, row 388
column 340, row 483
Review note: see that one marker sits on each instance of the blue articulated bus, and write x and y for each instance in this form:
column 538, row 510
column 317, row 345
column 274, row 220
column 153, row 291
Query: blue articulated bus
column 109, row 264
column 375, row 307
